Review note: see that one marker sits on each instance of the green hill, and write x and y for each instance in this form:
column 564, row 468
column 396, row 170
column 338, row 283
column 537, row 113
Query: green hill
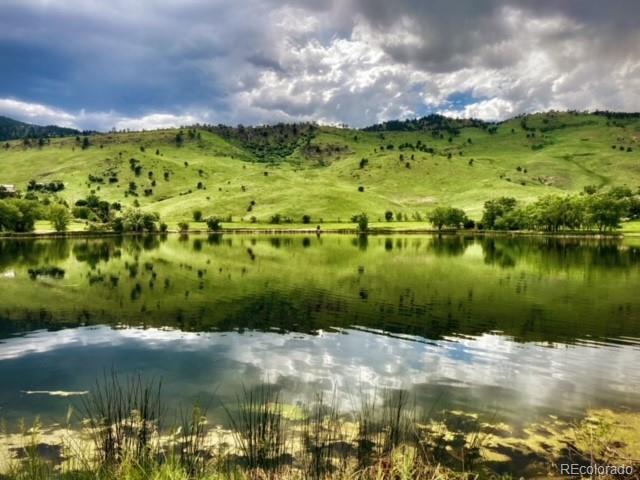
column 332, row 173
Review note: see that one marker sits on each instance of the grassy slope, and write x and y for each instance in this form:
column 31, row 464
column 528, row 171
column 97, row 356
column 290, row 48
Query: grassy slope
column 577, row 153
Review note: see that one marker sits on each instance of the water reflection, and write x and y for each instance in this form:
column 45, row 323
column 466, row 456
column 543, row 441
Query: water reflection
column 520, row 325
column 485, row 374
column 533, row 289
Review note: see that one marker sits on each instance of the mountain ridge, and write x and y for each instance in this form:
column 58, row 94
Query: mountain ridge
column 11, row 129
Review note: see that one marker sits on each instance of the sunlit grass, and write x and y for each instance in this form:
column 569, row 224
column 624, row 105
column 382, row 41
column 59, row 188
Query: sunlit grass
column 233, row 183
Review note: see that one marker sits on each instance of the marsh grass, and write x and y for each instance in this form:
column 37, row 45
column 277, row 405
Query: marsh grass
column 123, row 418
column 32, row 465
column 190, row 451
column 605, row 439
column 384, row 439
column 259, row 427
column 324, row 445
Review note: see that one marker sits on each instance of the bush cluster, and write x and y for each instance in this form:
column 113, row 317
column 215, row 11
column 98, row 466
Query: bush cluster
column 554, row 213
column 133, row 220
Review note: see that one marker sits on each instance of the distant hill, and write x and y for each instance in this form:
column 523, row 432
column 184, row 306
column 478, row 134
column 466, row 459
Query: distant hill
column 433, row 122
column 11, row 129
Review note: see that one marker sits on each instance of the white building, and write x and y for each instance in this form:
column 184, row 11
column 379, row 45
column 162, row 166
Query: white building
column 8, row 190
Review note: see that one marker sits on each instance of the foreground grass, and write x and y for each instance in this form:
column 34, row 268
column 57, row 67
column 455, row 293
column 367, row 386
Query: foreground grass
column 122, row 435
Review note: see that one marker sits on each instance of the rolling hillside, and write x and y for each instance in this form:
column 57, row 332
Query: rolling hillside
column 332, row 173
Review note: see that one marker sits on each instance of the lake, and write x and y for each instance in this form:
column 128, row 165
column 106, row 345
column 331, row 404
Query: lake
column 515, row 328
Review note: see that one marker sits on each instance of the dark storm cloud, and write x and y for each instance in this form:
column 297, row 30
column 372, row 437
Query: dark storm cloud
column 156, row 62
column 498, row 33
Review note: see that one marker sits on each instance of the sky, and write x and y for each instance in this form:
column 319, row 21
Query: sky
column 146, row 64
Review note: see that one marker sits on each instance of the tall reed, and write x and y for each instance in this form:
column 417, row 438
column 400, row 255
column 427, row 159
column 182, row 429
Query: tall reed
column 259, row 426
column 123, row 418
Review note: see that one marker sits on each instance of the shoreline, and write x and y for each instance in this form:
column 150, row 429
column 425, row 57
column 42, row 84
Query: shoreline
column 331, row 231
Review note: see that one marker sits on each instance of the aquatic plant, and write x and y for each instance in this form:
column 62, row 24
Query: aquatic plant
column 259, row 426
column 123, row 418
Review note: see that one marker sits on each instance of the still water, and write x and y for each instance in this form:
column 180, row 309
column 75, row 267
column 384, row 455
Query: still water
column 514, row 328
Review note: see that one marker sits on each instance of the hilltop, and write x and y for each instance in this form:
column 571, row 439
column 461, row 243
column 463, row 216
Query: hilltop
column 330, row 173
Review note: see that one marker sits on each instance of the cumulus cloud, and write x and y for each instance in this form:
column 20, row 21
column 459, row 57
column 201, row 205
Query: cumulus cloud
column 36, row 112
column 43, row 115
column 354, row 61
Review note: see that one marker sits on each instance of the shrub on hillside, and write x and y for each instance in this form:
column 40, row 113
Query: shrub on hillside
column 59, row 217
column 136, row 221
column 214, row 224
column 362, row 221
column 46, row 187
column 275, row 219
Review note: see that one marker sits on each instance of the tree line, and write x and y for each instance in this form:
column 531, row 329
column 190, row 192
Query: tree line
column 588, row 211
column 554, row 213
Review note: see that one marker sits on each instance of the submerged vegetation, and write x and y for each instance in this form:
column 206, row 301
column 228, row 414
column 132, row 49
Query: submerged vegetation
column 120, row 431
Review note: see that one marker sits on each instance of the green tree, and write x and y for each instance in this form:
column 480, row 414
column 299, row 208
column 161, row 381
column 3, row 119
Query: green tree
column 494, row 209
column 117, row 225
column 30, row 211
column 214, row 224
column 9, row 216
column 59, row 217
column 362, row 220
column 606, row 212
column 447, row 216
column 438, row 217
column 133, row 221
column 149, row 221
column 388, row 216
column 197, row 215
column 275, row 219
column 620, row 192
